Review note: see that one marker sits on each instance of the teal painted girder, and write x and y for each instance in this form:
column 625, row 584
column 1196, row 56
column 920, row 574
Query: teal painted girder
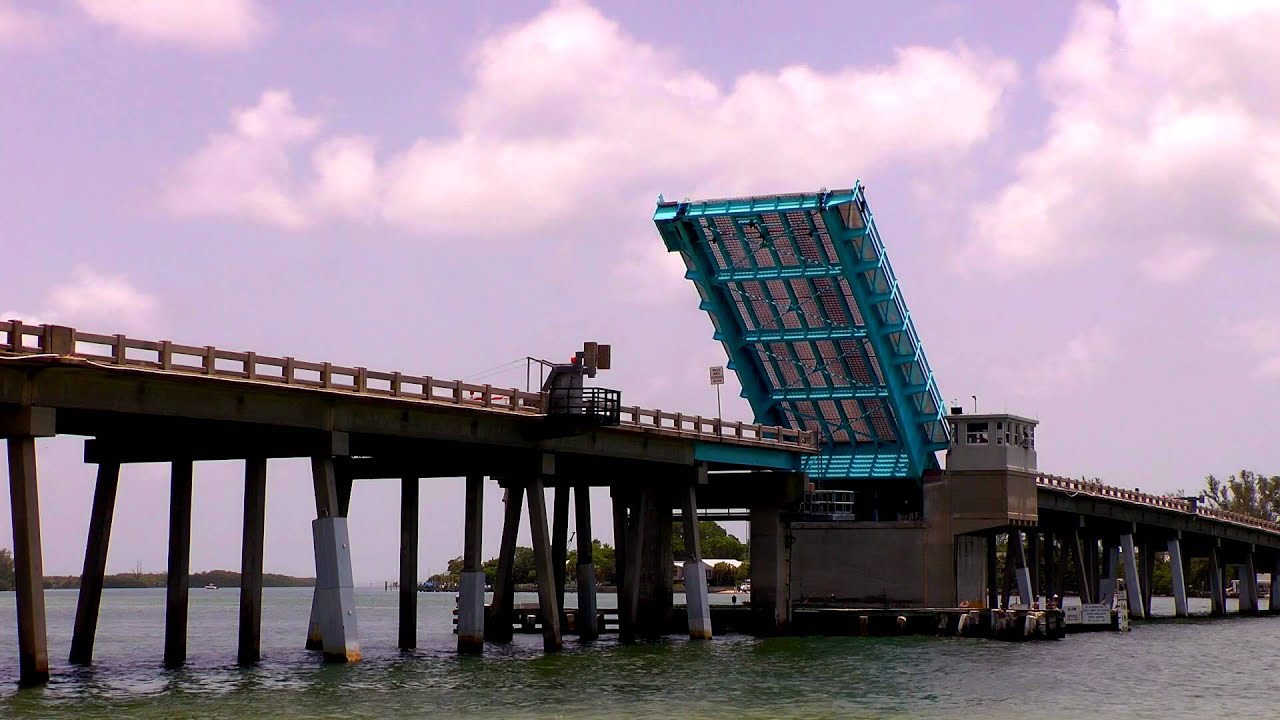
column 805, row 302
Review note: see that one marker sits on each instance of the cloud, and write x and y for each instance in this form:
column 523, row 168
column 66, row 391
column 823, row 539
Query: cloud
column 203, row 25
column 90, row 300
column 22, row 28
column 1164, row 142
column 567, row 110
column 1261, row 335
column 1072, row 363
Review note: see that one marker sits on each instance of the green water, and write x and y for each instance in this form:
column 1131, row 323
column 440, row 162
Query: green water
column 1186, row 669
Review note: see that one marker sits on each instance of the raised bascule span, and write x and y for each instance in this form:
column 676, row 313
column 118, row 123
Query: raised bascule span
column 806, row 304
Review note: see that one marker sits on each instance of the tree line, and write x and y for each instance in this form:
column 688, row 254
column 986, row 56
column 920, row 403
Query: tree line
column 139, row 579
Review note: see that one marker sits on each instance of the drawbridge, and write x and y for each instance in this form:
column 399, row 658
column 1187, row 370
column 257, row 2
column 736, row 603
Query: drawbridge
column 804, row 300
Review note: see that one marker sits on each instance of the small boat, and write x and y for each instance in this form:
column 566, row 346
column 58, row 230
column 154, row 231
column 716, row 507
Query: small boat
column 210, row 586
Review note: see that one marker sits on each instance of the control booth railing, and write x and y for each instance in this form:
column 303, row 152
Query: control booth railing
column 118, row 351
column 1164, row 502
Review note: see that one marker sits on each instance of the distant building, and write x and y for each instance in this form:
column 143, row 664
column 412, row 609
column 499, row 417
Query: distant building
column 707, row 564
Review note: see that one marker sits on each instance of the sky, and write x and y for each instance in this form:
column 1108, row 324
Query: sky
column 1081, row 201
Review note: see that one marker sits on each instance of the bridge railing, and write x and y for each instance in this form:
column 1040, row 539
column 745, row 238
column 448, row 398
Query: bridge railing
column 1165, row 502
column 18, row 338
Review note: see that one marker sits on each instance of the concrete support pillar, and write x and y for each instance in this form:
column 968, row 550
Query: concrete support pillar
column 587, row 619
column 1133, row 578
column 408, row 563
column 1248, row 585
column 621, row 553
column 337, row 590
column 1111, row 570
column 255, row 516
column 1273, row 602
column 560, row 539
column 1050, row 567
column 542, row 560
column 657, row 571
column 24, row 499
column 95, row 564
column 471, row 589
column 1147, row 556
column 1032, row 554
column 1217, row 592
column 1022, row 569
column 1179, row 578
column 1092, row 562
column 326, row 507
column 635, row 554
column 695, row 579
column 993, row 572
column 178, row 579
column 497, row 626
column 770, row 596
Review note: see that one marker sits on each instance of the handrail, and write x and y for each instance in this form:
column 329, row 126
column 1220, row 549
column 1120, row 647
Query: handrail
column 1137, row 497
column 18, row 338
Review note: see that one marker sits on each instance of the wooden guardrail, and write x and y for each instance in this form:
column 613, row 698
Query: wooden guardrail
column 1164, row 502
column 18, row 338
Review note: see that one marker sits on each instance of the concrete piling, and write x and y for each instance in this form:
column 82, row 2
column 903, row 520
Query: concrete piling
column 1273, row 602
column 334, row 597
column 542, row 559
column 255, row 515
column 95, row 564
column 1248, row 585
column 1217, row 592
column 408, row 630
column 621, row 551
column 695, row 579
column 1178, row 576
column 560, row 538
column 1133, row 588
column 471, row 588
column 178, row 579
column 586, row 620
column 497, row 626
column 33, row 644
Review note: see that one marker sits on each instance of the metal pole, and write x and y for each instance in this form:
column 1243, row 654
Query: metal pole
column 719, row 414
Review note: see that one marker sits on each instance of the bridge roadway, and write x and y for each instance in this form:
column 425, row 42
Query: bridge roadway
column 147, row 401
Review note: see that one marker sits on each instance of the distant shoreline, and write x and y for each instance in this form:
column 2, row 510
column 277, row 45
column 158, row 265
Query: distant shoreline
column 220, row 578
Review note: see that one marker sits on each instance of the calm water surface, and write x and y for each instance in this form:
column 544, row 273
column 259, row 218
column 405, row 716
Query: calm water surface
column 1196, row 668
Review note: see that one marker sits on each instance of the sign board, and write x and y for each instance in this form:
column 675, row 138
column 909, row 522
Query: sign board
column 717, row 375
column 1071, row 614
column 1096, row 614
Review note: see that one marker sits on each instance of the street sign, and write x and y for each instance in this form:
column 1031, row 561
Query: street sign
column 717, row 375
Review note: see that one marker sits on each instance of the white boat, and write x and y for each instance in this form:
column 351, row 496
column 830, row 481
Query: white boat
column 210, row 586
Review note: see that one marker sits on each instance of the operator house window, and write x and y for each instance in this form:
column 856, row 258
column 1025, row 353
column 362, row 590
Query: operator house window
column 976, row 434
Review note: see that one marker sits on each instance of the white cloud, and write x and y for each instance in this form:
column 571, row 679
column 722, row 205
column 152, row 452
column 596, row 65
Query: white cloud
column 201, row 25
column 1072, row 363
column 1164, row 142
column 92, row 301
column 19, row 27
column 1261, row 336
column 567, row 109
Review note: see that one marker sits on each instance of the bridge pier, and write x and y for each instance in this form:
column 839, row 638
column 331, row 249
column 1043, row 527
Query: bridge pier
column 586, row 619
column 622, row 529
column 335, row 591
column 1217, row 591
column 1148, row 558
column 1178, row 576
column 343, row 482
column 95, row 563
column 993, row 571
column 1248, row 585
column 497, row 627
column 409, row 505
column 1084, row 578
column 1273, row 602
column 542, row 559
column 255, row 516
column 1022, row 572
column 560, row 538
column 770, row 601
column 1133, row 589
column 33, row 643
column 178, row 577
column 656, row 573
column 471, row 589
column 695, row 579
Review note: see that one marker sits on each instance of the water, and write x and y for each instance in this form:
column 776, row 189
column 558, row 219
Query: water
column 1194, row 668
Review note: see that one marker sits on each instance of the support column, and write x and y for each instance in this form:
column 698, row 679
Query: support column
column 1080, row 551
column 656, row 570
column 497, row 626
column 560, row 539
column 1050, row 568
column 1248, row 585
column 1026, row 591
column 587, row 618
column 695, row 578
column 471, row 590
column 621, row 553
column 1032, row 553
column 1133, row 584
column 1010, row 572
column 255, row 516
column 95, row 564
column 178, row 579
column 1178, row 577
column 408, row 563
column 1093, row 562
column 1147, row 557
column 542, row 560
column 770, row 603
column 33, row 644
column 1273, row 602
column 325, row 507
column 1111, row 570
column 1217, row 593
column 635, row 553
column 335, row 587
column 993, row 572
